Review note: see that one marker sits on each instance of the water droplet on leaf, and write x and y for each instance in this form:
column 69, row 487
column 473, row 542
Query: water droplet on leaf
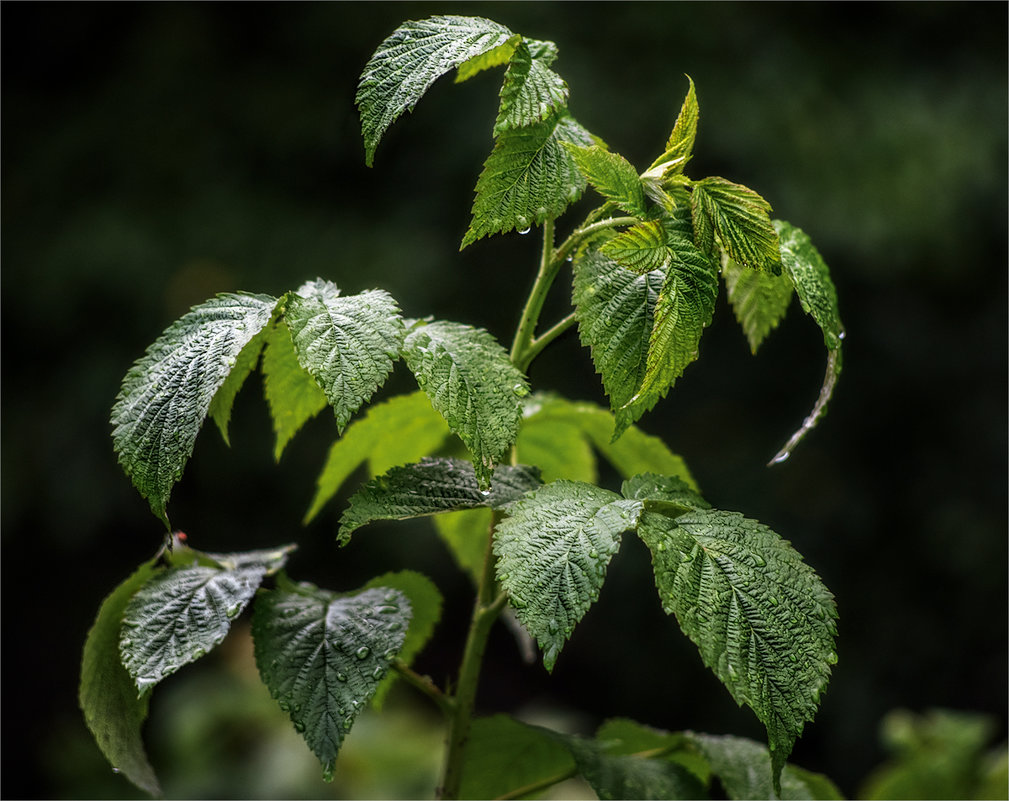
column 341, row 676
column 362, row 652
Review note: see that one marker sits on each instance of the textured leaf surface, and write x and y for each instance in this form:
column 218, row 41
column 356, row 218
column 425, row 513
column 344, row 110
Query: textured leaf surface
column 323, row 656
column 412, row 58
column 641, row 248
column 224, row 398
column 180, row 615
column 681, row 141
column 553, row 550
column 530, row 93
column 489, row 59
column 813, row 285
column 735, row 219
column 430, row 487
column 612, row 176
column 398, row 431
column 759, row 300
column 348, row 344
column 107, row 695
column 473, row 385
column 528, row 177
column 618, row 776
column 761, row 618
column 668, row 489
column 294, row 397
column 167, row 393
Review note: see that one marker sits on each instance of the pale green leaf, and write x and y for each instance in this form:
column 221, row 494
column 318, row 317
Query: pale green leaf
column 759, row 300
column 294, row 397
column 680, row 145
column 473, row 385
column 559, row 449
column 553, row 549
column 348, row 344
column 107, row 695
column 430, row 487
column 530, row 93
column 761, row 618
column 269, row 559
column 398, row 431
column 612, row 176
column 224, row 398
column 624, row 736
column 641, row 248
column 619, row 776
column 528, row 178
column 425, row 612
column 413, row 57
column 167, row 393
column 489, row 59
column 465, row 535
column 322, row 656
column 734, row 219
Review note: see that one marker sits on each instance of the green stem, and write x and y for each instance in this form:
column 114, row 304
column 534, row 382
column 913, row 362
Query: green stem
column 549, row 336
column 426, row 686
column 549, row 267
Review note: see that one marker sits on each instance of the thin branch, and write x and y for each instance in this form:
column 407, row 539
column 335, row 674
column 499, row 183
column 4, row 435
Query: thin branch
column 426, row 686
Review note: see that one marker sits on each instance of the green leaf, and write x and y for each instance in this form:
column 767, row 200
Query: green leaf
column 292, row 394
column 224, row 398
column 528, row 178
column 531, row 92
column 425, row 612
column 680, row 145
column 553, row 550
column 413, row 57
column 398, row 431
column 323, row 656
column 559, row 448
column 504, row 756
column 641, row 248
column 761, row 618
column 180, row 615
column 107, row 696
column 270, row 560
column 348, row 344
column 431, row 487
column 623, row 736
column 494, row 57
column 735, row 219
column 473, row 385
column 465, row 535
column 618, row 776
column 759, row 300
column 612, row 176
column 663, row 490
column 167, row 393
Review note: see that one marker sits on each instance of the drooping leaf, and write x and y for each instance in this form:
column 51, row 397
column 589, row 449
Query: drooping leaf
column 628, row 737
column 559, row 448
column 735, row 219
column 294, row 397
column 759, row 300
column 465, row 535
column 398, row 431
column 553, row 549
column 167, row 393
column 528, row 177
column 425, row 612
column 641, row 248
column 612, row 176
column 681, row 141
column 761, row 618
column 489, row 59
column 224, row 398
column 412, row 58
column 180, row 615
column 530, row 93
column 503, row 756
column 348, row 344
column 430, row 487
column 322, row 656
column 107, row 695
column 473, row 385
column 619, row 776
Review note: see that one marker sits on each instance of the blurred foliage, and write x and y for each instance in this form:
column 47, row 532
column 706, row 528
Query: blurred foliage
column 157, row 153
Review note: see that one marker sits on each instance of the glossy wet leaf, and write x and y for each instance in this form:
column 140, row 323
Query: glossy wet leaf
column 531, row 91
column 167, row 393
column 734, row 219
column 759, row 300
column 612, row 176
column 640, row 249
column 323, row 656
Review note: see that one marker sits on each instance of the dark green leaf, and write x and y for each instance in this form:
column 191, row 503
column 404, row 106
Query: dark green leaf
column 167, row 393
column 618, row 776
column 412, row 58
column 431, row 487
column 612, row 176
column 665, row 489
column 623, row 736
column 553, row 550
column 107, row 695
column 530, row 93
column 736, row 220
column 323, row 657
column 758, row 299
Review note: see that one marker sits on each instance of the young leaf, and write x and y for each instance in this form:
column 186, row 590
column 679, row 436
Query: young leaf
column 292, row 394
column 759, row 300
column 641, row 249
column 167, row 393
column 431, row 487
column 681, row 140
column 473, row 385
column 531, row 92
column 425, row 612
column 624, row 736
column 559, row 448
column 224, row 398
column 348, row 344
column 465, row 535
column 180, row 615
column 528, row 177
column 107, row 696
column 412, row 58
column 400, row 430
column 612, row 176
column 735, row 219
column 761, row 618
column 553, row 550
column 322, row 657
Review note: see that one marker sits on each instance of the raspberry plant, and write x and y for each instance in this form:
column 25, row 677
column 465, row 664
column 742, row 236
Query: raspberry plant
column 507, row 475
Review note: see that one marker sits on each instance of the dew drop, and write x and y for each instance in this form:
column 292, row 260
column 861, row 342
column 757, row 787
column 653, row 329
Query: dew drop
column 832, row 658
column 342, row 712
column 660, row 547
column 389, row 655
column 570, row 258
column 758, row 560
column 772, row 600
column 485, row 492
column 521, row 390
column 199, row 652
column 377, row 673
column 327, row 774
column 285, row 706
column 362, row 652
column 388, row 610
column 341, row 676
column 116, row 770
column 522, row 224
column 842, row 335
column 299, row 726
column 593, row 554
column 525, row 230
column 234, row 610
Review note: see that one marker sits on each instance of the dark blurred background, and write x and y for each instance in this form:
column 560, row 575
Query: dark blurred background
column 154, row 154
